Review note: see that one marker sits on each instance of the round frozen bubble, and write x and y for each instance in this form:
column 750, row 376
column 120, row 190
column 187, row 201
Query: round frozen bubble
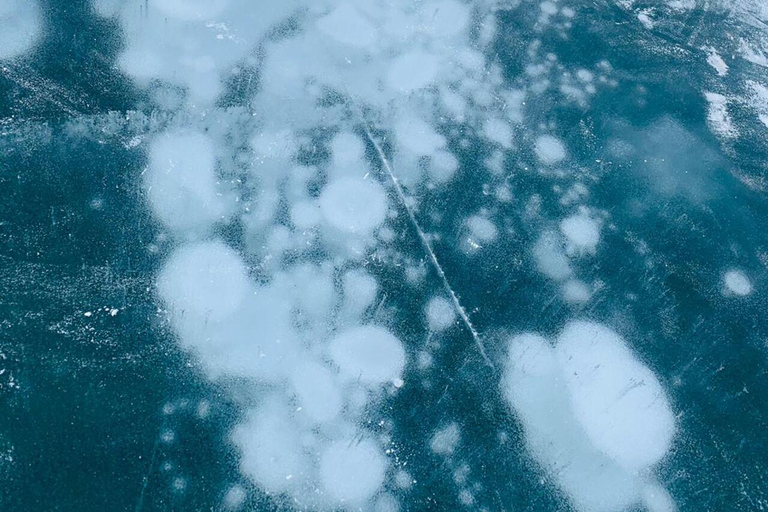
column 549, row 150
column 271, row 448
column 316, row 389
column 205, row 279
column 347, row 150
column 354, row 205
column 736, row 282
column 550, row 258
column 576, row 292
column 352, row 471
column 348, row 26
column 191, row 10
column 442, row 166
column 417, row 136
column 21, row 27
column 582, row 234
column 482, row 229
column 369, row 353
column 181, row 182
column 412, row 71
column 440, row 314
column 616, row 398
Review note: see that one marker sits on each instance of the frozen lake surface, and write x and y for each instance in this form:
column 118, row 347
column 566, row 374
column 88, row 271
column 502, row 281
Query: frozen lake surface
column 384, row 256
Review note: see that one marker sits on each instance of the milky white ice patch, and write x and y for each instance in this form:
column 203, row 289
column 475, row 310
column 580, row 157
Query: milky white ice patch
column 550, row 258
column 193, row 44
column 595, row 417
column 498, row 131
column 347, row 153
column 181, row 184
column 272, row 452
column 445, row 440
column 718, row 118
column 445, row 18
column 716, row 61
column 481, row 229
column 576, row 292
column 736, row 282
column 190, row 10
column 417, row 136
column 657, row 499
column 533, row 385
column 206, row 279
column 348, row 26
column 616, row 398
column 354, row 205
column 318, row 393
column 440, row 313
column 412, row 71
column 370, row 354
column 582, row 234
column 20, row 27
column 549, row 150
column 352, row 470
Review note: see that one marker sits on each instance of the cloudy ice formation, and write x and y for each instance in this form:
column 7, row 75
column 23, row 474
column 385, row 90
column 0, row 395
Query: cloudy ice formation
column 22, row 27
column 596, row 418
column 287, row 311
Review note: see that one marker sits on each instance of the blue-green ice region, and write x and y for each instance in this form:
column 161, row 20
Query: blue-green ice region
column 384, row 255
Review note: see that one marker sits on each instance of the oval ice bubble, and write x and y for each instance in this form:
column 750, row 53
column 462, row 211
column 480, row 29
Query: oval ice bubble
column 617, row 399
column 206, row 279
column 412, row 71
column 440, row 314
column 180, row 182
column 370, row 353
column 354, row 205
column 272, row 453
column 316, row 389
column 582, row 234
column 549, row 150
column 21, row 27
column 736, row 282
column 351, row 470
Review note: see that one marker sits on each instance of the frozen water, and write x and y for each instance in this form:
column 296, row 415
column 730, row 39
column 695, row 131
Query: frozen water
column 582, row 234
column 384, row 255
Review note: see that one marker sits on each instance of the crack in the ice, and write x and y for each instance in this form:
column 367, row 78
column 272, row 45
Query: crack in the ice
column 427, row 246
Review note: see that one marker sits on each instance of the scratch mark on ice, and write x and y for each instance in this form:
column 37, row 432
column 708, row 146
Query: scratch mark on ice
column 428, row 247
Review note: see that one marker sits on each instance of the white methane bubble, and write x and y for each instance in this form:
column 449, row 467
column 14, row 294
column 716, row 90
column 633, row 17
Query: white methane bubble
column 549, row 150
column 595, row 417
column 369, row 354
column 582, row 234
column 736, row 283
column 440, row 313
column 21, row 27
column 354, row 205
column 550, row 258
column 181, row 185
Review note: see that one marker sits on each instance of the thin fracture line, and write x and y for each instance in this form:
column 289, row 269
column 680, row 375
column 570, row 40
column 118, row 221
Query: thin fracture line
column 428, row 247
